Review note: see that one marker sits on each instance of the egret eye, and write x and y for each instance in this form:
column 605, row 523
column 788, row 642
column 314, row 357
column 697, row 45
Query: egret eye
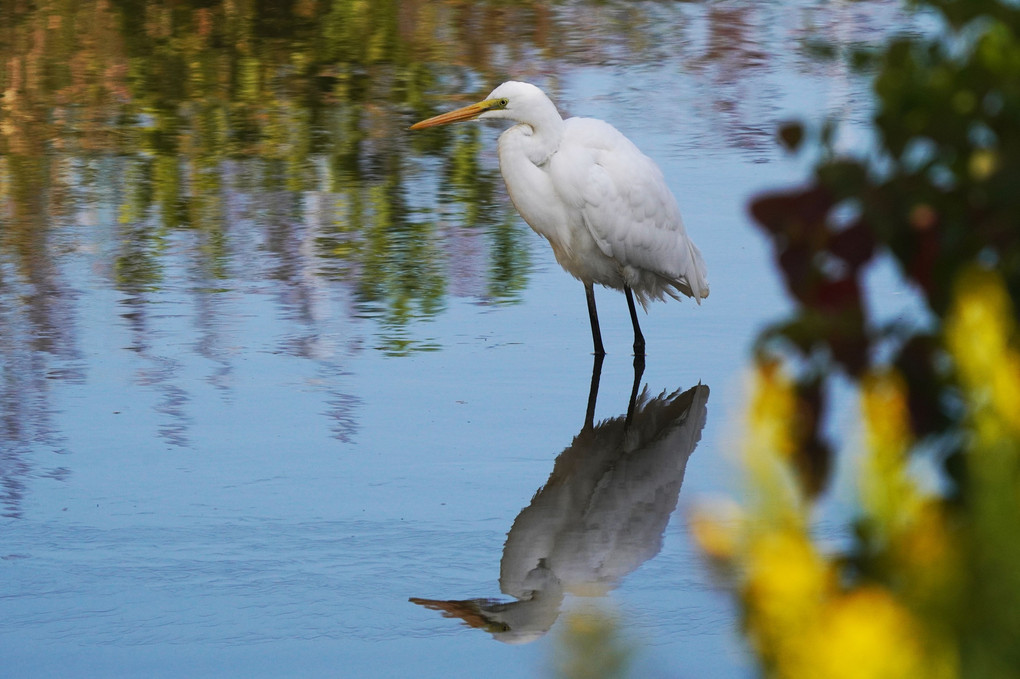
column 503, row 103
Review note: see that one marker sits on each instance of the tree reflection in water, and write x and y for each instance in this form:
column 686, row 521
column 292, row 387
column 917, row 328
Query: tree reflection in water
column 168, row 152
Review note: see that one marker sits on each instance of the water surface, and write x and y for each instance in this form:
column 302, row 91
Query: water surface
column 271, row 365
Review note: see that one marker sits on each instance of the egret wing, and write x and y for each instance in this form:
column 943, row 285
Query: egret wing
column 625, row 204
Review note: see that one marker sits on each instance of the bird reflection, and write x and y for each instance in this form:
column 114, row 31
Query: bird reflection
column 601, row 514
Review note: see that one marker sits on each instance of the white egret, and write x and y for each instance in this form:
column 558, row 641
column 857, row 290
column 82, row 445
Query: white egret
column 602, row 204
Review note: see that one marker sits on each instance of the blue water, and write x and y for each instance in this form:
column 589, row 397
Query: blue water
column 249, row 474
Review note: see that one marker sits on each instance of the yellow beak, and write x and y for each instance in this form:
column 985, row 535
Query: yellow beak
column 465, row 113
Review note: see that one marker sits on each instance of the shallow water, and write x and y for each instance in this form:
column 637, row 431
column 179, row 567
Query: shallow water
column 272, row 365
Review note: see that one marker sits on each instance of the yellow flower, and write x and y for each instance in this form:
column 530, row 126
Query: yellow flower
column 786, row 584
column 772, row 412
column 1005, row 389
column 888, row 493
column 884, row 407
column 983, row 163
column 867, row 634
column 768, row 450
column 978, row 334
column 979, row 326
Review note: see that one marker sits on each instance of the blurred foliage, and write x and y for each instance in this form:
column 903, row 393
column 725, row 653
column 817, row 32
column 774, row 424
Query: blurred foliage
column 930, row 587
column 927, row 583
column 936, row 194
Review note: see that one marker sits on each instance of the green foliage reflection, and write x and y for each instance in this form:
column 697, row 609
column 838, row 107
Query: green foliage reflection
column 296, row 109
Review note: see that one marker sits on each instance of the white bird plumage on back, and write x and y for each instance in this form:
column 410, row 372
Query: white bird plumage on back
column 602, row 204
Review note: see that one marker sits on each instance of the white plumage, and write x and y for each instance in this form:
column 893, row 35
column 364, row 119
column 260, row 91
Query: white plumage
column 602, row 204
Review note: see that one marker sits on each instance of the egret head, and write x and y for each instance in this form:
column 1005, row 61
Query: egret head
column 513, row 100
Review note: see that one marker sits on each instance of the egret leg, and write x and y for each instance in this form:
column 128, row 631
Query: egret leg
column 639, row 339
column 593, row 391
column 639, row 370
column 593, row 316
